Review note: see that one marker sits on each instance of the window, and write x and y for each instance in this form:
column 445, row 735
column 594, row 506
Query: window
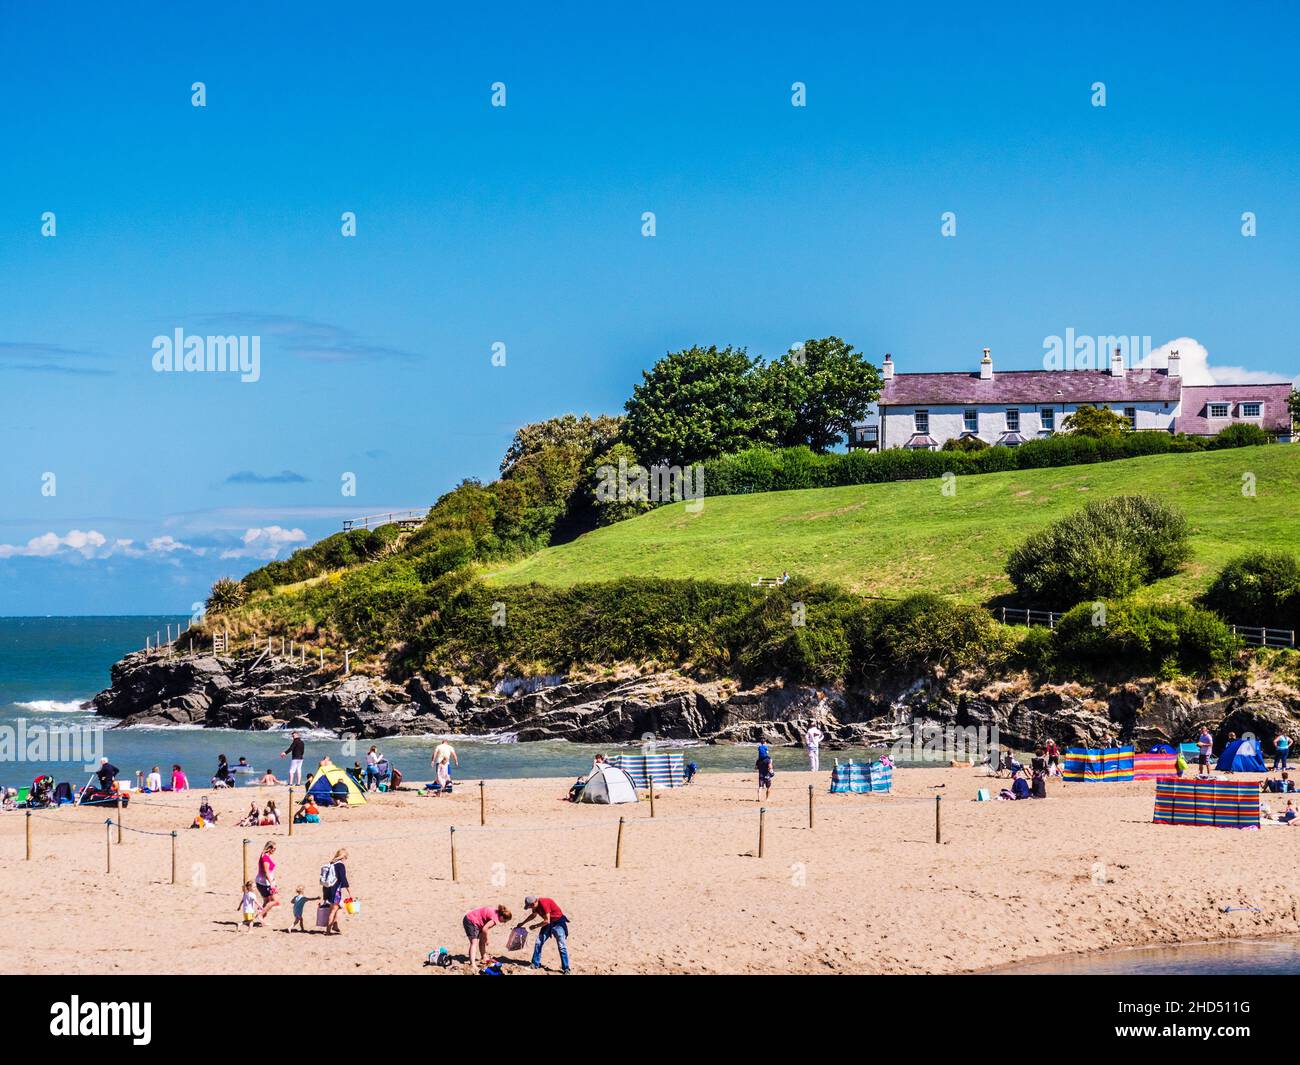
column 1013, row 420
column 971, row 420
column 1131, row 416
column 1047, row 416
column 1218, row 410
column 1251, row 410
column 923, row 422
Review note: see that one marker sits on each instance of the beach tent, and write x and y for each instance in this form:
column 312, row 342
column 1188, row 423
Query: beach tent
column 1155, row 764
column 1241, row 756
column 1207, row 803
column 861, row 778
column 609, row 784
column 1161, row 748
column 1098, row 764
column 666, row 768
column 1190, row 752
column 331, row 783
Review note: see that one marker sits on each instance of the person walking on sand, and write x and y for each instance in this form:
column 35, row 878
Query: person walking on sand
column 443, row 755
column 334, row 888
column 555, row 925
column 1204, row 745
column 813, row 741
column 250, row 907
column 476, row 924
column 1282, row 745
column 295, row 752
column 266, row 881
column 765, row 772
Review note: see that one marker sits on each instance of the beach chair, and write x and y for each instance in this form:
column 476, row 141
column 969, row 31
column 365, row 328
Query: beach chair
column 23, row 795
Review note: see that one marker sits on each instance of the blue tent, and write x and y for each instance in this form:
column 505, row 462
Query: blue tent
column 1241, row 756
column 1161, row 748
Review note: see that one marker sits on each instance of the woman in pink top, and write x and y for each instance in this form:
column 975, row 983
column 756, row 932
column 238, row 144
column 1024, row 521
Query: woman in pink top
column 476, row 925
column 179, row 783
column 266, row 881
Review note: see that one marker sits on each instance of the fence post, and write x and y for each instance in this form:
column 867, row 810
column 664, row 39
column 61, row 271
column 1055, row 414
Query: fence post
column 618, row 847
column 173, row 857
column 810, row 806
column 291, row 809
column 108, row 845
column 29, row 835
column 652, row 796
column 454, row 875
column 121, row 808
column 482, row 803
column 762, row 819
column 245, row 880
column 938, row 831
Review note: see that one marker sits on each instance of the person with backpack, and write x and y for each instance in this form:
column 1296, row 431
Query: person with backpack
column 766, row 772
column 334, row 888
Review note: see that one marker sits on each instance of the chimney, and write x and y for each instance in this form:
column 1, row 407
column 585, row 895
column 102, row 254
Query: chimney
column 986, row 367
column 1175, row 364
column 888, row 368
column 1117, row 363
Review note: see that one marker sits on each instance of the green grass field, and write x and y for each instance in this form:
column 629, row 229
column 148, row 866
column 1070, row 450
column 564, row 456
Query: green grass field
column 894, row 539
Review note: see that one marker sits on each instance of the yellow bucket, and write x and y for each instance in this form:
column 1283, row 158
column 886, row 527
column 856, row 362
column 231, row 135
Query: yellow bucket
column 352, row 905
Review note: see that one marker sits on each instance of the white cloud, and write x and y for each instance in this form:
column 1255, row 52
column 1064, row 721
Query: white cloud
column 1196, row 368
column 87, row 544
column 92, row 544
column 265, row 542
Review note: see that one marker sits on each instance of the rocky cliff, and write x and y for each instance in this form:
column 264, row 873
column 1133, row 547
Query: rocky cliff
column 265, row 693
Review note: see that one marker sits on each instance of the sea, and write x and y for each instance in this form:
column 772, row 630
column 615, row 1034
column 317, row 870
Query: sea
column 51, row 666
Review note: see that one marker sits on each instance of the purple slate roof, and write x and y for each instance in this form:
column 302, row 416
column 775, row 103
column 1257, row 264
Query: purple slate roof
column 1032, row 386
column 1197, row 398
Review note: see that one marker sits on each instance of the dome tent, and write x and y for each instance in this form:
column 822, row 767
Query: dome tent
column 333, row 787
column 1241, row 756
column 609, row 784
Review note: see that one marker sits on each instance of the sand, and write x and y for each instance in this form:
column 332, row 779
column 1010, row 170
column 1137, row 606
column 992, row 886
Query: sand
column 867, row 890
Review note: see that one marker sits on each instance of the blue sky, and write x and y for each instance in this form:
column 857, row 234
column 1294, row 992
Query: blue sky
column 522, row 225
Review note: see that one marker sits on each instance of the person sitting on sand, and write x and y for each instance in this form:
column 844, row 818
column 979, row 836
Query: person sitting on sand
column 206, row 812
column 308, row 812
column 1289, row 814
column 766, row 772
column 269, row 779
column 1019, row 785
column 270, row 816
column 252, row 818
column 179, row 781
column 476, row 924
column 153, row 782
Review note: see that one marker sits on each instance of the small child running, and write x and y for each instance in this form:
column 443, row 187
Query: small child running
column 251, row 906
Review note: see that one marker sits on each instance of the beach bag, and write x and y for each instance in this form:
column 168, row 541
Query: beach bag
column 328, row 877
column 518, row 938
column 322, row 916
column 352, row 905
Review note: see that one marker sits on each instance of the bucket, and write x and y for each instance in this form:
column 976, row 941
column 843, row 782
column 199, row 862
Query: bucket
column 352, row 905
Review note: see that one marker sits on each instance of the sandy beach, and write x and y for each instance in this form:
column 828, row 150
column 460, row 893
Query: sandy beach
column 866, row 890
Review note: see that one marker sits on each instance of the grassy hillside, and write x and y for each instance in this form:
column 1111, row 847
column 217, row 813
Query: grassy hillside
column 895, row 539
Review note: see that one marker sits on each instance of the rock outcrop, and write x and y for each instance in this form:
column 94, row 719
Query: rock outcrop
column 266, row 693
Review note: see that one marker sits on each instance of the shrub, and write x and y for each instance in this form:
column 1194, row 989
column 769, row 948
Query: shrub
column 1258, row 588
column 964, row 443
column 1109, row 548
column 1147, row 635
column 226, row 594
column 1241, row 434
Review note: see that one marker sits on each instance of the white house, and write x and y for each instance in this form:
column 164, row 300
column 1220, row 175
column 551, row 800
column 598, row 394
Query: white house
column 923, row 410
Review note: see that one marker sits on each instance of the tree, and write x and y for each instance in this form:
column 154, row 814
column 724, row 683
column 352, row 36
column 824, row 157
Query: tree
column 1095, row 422
column 1293, row 405
column 813, row 394
column 692, row 405
column 585, row 434
column 226, row 594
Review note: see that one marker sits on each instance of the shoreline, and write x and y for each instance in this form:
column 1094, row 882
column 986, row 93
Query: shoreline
column 866, row 890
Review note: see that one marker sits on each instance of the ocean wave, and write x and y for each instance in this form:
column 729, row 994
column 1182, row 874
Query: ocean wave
column 53, row 706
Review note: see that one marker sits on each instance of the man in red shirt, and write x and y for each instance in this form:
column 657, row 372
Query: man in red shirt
column 554, row 924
